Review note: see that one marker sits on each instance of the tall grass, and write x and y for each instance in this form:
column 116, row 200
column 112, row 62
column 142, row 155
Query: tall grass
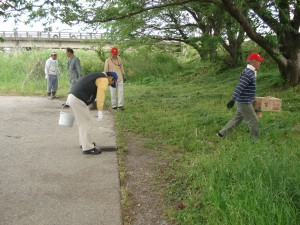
column 180, row 104
column 22, row 72
column 145, row 68
column 220, row 181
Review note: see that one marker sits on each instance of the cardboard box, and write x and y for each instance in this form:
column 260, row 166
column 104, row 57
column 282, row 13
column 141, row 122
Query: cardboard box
column 267, row 104
column 276, row 104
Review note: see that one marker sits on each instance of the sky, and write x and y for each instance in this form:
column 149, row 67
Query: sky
column 36, row 26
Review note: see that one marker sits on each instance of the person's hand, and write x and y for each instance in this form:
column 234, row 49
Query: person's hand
column 100, row 116
column 124, row 78
column 46, row 76
column 230, row 104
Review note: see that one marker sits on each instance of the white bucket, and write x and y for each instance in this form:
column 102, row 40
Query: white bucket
column 66, row 119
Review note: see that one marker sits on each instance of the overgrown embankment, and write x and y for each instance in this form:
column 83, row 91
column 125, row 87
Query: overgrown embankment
column 212, row 180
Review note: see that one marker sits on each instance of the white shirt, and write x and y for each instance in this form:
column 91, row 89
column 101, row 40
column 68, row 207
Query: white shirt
column 51, row 67
column 251, row 68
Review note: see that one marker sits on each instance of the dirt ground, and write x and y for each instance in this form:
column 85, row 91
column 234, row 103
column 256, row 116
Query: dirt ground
column 146, row 196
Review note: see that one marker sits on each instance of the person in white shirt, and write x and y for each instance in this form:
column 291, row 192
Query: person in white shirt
column 51, row 74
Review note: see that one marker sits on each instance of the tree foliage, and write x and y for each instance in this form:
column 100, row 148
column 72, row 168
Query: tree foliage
column 272, row 24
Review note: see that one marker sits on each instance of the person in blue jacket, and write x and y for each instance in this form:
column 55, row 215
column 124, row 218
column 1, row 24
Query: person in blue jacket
column 244, row 96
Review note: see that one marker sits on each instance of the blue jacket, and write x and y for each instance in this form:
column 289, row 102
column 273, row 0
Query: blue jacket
column 245, row 91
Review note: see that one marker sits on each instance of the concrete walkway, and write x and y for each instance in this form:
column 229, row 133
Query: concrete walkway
column 44, row 177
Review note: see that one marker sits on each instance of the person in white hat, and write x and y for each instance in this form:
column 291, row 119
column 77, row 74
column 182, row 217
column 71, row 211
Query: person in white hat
column 51, row 74
column 244, row 96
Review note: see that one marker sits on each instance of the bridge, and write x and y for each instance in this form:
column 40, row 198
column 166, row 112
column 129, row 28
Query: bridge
column 60, row 40
column 52, row 40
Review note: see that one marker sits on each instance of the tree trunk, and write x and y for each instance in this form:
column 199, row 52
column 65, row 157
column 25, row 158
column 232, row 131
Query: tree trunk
column 289, row 43
column 291, row 71
column 213, row 55
column 235, row 58
column 234, row 50
column 203, row 55
column 286, row 57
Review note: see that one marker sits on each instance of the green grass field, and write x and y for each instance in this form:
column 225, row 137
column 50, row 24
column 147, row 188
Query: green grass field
column 221, row 181
column 180, row 104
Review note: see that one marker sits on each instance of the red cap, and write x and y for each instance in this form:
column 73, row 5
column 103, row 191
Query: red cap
column 255, row 56
column 114, row 51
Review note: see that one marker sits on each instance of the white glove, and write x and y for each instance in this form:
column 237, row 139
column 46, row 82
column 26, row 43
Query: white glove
column 100, row 116
column 46, row 76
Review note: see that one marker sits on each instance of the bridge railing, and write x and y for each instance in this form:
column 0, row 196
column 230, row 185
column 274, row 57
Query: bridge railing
column 49, row 35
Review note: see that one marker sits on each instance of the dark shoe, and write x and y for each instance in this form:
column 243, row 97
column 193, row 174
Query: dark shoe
column 93, row 143
column 114, row 108
column 219, row 135
column 65, row 105
column 92, row 151
column 121, row 107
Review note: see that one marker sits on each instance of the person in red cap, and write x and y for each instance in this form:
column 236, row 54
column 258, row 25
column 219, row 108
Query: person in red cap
column 244, row 95
column 114, row 64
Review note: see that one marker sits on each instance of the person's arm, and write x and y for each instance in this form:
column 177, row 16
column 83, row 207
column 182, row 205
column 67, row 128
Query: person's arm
column 106, row 66
column 78, row 67
column 101, row 84
column 244, row 82
column 47, row 65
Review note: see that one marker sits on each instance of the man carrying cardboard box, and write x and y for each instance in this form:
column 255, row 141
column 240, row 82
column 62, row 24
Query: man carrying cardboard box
column 244, row 95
